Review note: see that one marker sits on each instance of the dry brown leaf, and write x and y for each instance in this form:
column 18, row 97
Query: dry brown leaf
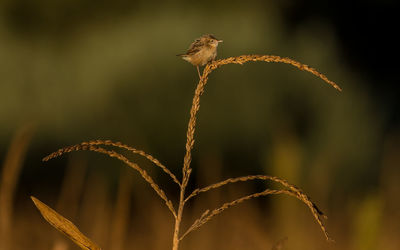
column 63, row 225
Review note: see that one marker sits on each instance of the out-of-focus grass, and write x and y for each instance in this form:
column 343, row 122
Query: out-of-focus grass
column 368, row 223
column 111, row 70
column 356, row 224
column 10, row 172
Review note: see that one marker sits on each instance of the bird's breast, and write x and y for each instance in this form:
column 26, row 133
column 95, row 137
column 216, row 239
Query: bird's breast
column 202, row 57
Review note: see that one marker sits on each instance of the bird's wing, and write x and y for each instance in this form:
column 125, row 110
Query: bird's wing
column 194, row 47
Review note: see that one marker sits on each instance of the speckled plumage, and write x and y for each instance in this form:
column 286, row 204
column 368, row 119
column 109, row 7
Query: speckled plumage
column 201, row 51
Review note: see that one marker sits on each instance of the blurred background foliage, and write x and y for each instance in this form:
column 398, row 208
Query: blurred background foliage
column 81, row 70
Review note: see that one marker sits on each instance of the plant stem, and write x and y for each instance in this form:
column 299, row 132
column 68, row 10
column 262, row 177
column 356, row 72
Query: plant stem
column 175, row 243
column 186, row 170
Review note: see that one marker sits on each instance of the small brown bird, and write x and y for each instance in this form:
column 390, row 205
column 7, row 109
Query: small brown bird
column 201, row 51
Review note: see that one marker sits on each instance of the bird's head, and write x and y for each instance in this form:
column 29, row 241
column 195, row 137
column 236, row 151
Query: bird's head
column 211, row 40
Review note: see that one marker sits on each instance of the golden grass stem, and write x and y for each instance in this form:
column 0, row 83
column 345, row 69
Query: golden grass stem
column 316, row 211
column 203, row 81
column 206, row 216
column 210, row 67
column 115, row 144
column 242, row 179
column 186, row 170
column 64, row 226
column 288, row 189
column 178, row 219
column 267, row 58
column 120, row 157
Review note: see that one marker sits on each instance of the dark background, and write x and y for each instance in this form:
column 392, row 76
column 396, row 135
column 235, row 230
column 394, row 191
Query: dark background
column 73, row 71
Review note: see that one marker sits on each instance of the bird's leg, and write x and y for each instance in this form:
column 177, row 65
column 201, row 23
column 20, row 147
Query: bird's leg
column 198, row 71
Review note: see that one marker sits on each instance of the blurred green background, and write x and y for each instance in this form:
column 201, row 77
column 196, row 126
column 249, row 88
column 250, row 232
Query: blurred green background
column 82, row 70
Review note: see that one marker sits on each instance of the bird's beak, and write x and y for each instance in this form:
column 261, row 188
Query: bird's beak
column 220, row 41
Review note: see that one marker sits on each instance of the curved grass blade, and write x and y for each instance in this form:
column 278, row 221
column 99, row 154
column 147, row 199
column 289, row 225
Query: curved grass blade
column 113, row 154
column 115, row 144
column 206, row 216
column 64, row 226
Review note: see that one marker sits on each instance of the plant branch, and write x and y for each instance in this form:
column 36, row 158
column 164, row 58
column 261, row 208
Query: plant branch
column 186, row 170
column 115, row 144
column 266, row 58
column 122, row 158
column 206, row 216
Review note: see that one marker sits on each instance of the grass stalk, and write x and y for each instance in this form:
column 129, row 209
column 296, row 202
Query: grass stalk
column 287, row 188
